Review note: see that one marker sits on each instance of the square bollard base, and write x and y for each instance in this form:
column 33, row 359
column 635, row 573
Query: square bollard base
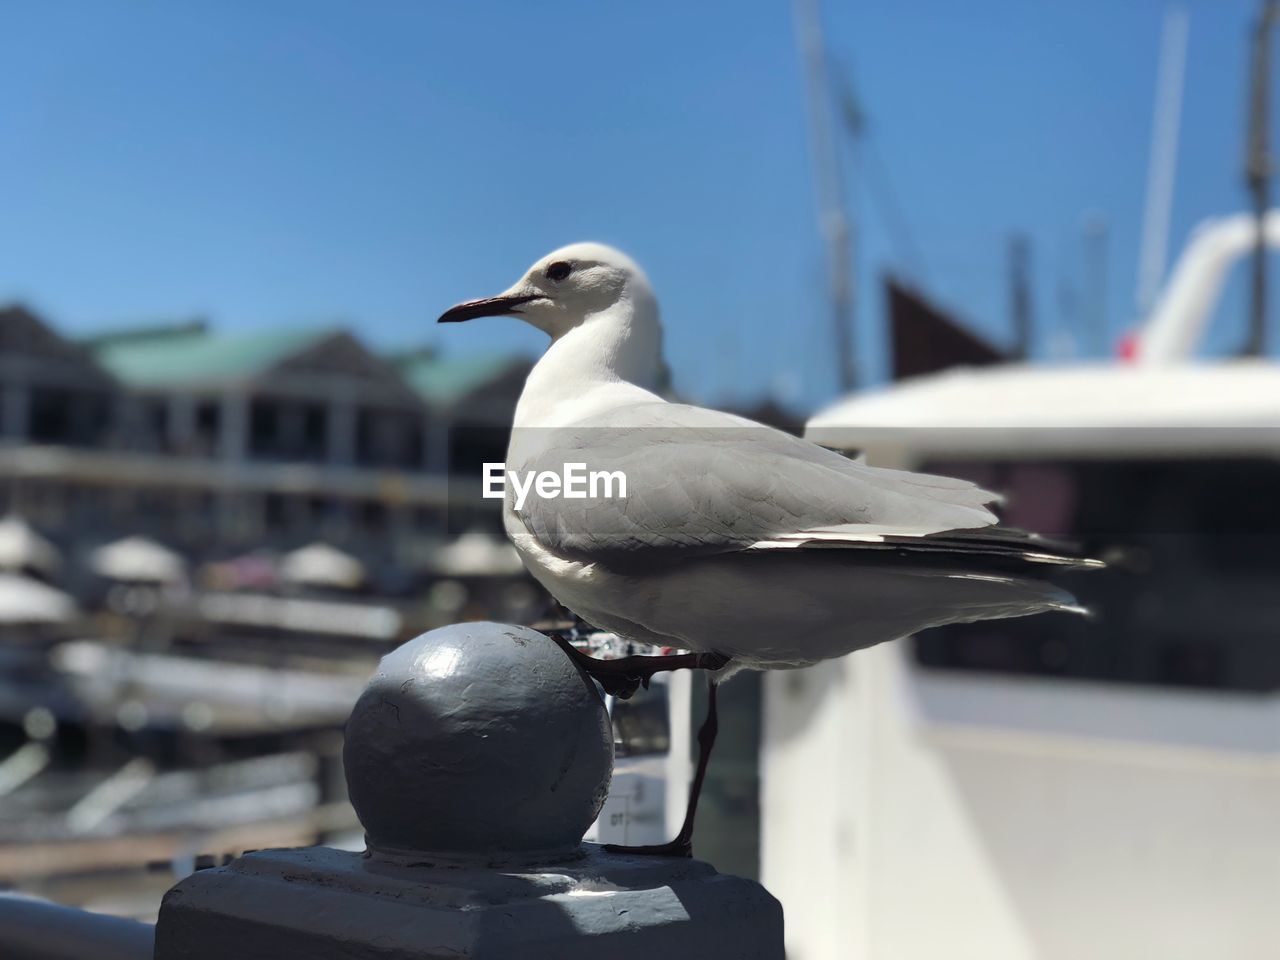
column 319, row 903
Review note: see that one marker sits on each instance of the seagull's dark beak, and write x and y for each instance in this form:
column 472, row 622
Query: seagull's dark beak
column 501, row 306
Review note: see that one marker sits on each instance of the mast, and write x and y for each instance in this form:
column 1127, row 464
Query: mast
column 1020, row 295
column 1163, row 163
column 833, row 220
column 1258, row 172
column 1093, row 236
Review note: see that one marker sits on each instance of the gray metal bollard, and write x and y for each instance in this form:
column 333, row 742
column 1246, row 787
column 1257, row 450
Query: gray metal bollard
column 476, row 759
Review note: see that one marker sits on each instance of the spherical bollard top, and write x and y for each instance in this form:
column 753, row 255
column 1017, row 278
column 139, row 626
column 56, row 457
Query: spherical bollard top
column 478, row 740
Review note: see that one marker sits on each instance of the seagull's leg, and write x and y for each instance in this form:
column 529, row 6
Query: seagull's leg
column 682, row 845
column 621, row 678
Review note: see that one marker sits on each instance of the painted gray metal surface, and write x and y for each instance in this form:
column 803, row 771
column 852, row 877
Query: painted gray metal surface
column 325, row 904
column 476, row 759
column 32, row 929
column 478, row 738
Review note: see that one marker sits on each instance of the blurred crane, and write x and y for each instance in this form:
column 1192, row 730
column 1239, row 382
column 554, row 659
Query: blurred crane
column 1162, row 166
column 832, row 102
column 833, row 218
column 1258, row 162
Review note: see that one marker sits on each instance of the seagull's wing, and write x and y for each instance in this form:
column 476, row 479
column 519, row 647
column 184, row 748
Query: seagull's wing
column 701, row 482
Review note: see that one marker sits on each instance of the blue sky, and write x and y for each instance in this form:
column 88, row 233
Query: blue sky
column 288, row 163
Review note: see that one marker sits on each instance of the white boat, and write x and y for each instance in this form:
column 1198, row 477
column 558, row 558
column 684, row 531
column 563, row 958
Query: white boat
column 1050, row 787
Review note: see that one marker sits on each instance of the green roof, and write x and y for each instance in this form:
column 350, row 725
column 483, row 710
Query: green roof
column 190, row 353
column 446, row 380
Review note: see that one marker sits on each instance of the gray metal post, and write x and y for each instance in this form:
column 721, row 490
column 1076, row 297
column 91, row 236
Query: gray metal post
column 342, row 432
column 233, row 439
column 14, row 412
column 182, row 423
column 476, row 759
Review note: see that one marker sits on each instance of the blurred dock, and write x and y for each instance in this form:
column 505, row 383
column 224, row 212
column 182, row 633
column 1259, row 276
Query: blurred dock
column 207, row 541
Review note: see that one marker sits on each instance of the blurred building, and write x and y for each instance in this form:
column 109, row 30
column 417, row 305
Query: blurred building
column 217, row 442
column 248, row 521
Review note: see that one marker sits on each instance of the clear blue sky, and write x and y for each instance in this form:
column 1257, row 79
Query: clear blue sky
column 292, row 162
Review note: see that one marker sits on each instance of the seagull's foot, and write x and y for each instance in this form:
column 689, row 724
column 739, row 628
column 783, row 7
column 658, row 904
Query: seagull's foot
column 623, row 677
column 615, row 683
column 623, row 688
column 679, row 847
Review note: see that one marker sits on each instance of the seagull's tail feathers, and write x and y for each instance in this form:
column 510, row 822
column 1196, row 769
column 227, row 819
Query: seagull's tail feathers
column 1025, row 597
column 982, row 550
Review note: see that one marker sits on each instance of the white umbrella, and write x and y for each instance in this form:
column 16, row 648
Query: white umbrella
column 322, row 565
column 138, row 559
column 478, row 555
column 21, row 546
column 23, row 600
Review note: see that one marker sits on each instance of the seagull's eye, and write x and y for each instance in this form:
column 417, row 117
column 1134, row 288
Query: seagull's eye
column 559, row 270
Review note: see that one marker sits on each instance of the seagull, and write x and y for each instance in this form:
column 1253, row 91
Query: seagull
column 749, row 547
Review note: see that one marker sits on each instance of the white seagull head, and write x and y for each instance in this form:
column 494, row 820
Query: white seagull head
column 575, row 285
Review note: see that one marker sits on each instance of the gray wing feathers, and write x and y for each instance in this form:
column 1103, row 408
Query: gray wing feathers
column 699, row 481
